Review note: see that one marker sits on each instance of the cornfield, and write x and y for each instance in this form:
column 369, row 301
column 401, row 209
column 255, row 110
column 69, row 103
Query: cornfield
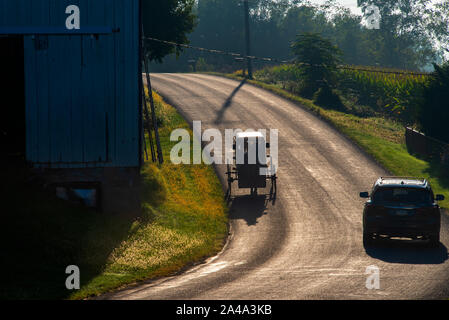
column 394, row 93
column 385, row 91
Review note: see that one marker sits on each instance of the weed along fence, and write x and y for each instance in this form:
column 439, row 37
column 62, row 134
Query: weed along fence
column 428, row 147
column 82, row 95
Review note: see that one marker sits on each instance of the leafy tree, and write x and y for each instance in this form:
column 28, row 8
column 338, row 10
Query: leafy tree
column 317, row 59
column 220, row 27
column 169, row 20
column 440, row 23
column 302, row 19
column 349, row 38
column 221, row 24
column 266, row 16
column 407, row 32
column 434, row 112
column 405, row 40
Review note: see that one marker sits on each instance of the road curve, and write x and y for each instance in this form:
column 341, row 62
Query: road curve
column 308, row 245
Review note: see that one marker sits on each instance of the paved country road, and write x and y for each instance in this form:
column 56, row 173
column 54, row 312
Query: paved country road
column 308, row 245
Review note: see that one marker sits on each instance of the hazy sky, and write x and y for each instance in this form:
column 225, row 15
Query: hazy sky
column 351, row 4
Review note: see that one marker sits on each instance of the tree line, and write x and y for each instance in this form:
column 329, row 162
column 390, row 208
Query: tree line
column 412, row 35
column 408, row 38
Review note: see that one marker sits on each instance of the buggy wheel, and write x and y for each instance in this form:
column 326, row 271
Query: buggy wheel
column 274, row 187
column 230, row 180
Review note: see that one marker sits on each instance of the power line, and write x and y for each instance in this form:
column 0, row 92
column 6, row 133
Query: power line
column 238, row 55
column 233, row 54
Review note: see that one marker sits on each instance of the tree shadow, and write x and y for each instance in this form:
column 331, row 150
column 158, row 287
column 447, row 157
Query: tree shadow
column 248, row 208
column 407, row 252
column 435, row 166
column 228, row 103
column 436, row 169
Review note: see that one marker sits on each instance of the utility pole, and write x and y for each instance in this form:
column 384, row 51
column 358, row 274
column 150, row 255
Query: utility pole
column 148, row 125
column 153, row 113
column 248, row 40
column 150, row 94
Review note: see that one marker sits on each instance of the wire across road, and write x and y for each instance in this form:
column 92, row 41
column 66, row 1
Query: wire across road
column 308, row 245
column 274, row 60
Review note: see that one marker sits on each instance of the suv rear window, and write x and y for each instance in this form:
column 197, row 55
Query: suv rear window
column 402, row 195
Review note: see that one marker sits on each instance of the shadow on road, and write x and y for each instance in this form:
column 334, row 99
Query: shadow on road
column 407, row 252
column 228, row 103
column 248, row 208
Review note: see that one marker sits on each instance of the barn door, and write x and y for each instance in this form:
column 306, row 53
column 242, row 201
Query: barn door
column 69, row 99
column 12, row 86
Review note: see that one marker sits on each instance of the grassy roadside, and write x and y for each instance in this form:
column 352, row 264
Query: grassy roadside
column 184, row 221
column 381, row 138
column 185, row 218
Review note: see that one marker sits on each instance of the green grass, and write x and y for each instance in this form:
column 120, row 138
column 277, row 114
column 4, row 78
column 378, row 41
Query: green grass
column 184, row 221
column 381, row 138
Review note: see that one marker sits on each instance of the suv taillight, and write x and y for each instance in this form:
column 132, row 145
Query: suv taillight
column 374, row 210
column 433, row 210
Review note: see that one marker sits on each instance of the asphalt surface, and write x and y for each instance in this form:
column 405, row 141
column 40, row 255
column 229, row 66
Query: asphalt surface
column 308, row 244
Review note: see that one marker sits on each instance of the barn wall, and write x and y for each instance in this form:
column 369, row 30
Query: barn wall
column 82, row 91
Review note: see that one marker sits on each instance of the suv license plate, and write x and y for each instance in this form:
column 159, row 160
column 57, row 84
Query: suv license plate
column 401, row 213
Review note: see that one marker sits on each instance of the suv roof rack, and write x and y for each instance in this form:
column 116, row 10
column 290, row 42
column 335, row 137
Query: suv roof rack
column 400, row 177
column 422, row 180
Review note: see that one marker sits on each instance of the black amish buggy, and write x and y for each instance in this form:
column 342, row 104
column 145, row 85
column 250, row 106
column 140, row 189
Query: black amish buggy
column 252, row 166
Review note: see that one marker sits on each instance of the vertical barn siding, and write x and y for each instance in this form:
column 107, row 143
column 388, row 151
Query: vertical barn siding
column 82, row 93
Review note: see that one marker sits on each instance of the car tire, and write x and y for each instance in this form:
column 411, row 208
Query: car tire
column 367, row 239
column 434, row 241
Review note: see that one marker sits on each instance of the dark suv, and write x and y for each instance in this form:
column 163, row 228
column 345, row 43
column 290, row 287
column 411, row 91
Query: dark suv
column 401, row 207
